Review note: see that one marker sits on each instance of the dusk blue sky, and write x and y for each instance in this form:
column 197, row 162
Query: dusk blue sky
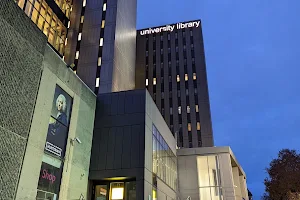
column 252, row 53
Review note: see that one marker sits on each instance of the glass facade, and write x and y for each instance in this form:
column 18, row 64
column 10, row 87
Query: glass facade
column 47, row 21
column 164, row 160
column 209, row 178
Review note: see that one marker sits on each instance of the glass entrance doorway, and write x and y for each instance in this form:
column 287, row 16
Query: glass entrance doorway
column 118, row 190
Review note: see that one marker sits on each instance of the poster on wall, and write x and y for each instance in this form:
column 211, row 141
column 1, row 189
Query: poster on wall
column 49, row 182
column 59, row 123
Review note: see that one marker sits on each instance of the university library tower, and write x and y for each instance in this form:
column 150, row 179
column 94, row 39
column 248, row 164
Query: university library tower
column 93, row 109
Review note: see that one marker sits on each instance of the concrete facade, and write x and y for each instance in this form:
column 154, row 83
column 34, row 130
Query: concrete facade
column 164, row 56
column 122, row 144
column 232, row 177
column 30, row 71
column 22, row 48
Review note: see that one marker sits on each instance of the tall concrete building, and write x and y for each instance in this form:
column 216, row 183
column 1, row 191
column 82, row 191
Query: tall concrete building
column 97, row 38
column 101, row 44
column 171, row 64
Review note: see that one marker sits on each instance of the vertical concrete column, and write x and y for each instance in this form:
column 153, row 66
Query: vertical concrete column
column 226, row 176
column 244, row 190
column 236, row 181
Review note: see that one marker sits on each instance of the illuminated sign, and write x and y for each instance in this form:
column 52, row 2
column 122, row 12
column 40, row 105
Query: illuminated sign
column 170, row 28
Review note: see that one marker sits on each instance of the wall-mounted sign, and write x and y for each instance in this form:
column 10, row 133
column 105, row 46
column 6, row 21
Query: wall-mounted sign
column 59, row 123
column 170, row 28
column 49, row 180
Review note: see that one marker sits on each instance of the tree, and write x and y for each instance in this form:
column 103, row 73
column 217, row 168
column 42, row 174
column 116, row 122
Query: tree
column 283, row 182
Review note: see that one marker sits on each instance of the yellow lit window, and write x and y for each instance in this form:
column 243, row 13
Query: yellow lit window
column 146, row 82
column 103, row 24
column 84, row 3
column 79, row 36
column 178, row 78
column 101, row 42
column 186, row 77
column 104, row 7
column 197, row 108
column 188, row 109
column 75, row 72
column 97, row 82
column 194, row 76
column 189, row 127
column 99, row 61
column 154, row 81
column 77, row 55
column 198, row 126
column 81, row 19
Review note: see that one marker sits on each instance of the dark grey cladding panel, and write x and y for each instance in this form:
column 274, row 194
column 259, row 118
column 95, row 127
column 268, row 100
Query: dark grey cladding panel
column 119, row 134
column 12, row 148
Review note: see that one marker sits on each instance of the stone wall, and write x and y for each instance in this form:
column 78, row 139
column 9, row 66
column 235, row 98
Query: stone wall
column 21, row 54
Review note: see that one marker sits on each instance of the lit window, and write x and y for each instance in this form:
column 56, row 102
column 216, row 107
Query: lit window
column 81, row 19
column 198, row 126
column 146, row 82
column 179, row 109
column 186, row 77
column 77, row 55
column 101, row 42
column 79, row 36
column 66, row 41
column 63, row 57
column 189, row 127
column 103, row 24
column 194, row 76
column 69, row 23
column 154, row 81
column 84, row 3
column 97, row 82
column 99, row 61
column 75, row 72
column 188, row 109
column 197, row 108
column 178, row 78
column 104, row 7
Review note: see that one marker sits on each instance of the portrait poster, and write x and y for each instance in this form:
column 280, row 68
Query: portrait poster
column 59, row 123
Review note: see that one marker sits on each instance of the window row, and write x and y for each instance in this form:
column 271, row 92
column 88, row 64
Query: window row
column 164, row 160
column 46, row 20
